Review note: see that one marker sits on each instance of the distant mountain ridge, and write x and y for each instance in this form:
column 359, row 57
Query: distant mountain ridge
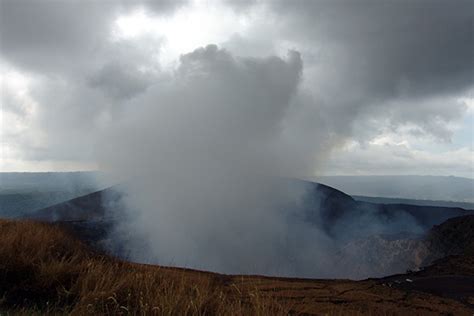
column 25, row 192
column 337, row 213
column 445, row 188
column 387, row 200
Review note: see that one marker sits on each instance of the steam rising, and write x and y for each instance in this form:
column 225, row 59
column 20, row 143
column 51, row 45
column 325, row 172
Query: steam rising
column 207, row 151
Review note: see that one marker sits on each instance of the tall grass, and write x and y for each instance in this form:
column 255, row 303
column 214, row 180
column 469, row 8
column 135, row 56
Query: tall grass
column 45, row 270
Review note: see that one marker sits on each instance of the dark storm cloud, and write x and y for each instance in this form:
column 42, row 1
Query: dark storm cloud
column 50, row 35
column 395, row 48
column 55, row 36
column 386, row 61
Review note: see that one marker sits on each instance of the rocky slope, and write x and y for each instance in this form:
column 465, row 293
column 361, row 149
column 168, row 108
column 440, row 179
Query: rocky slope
column 384, row 255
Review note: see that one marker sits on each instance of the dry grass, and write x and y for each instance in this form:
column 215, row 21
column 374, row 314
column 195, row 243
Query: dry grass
column 44, row 270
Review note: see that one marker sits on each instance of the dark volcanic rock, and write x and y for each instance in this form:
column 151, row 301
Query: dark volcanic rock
column 453, row 237
column 331, row 210
column 377, row 256
column 450, row 263
column 344, row 218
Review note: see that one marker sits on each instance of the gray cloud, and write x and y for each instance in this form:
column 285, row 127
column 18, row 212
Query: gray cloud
column 368, row 62
column 376, row 58
column 50, row 36
column 399, row 159
column 395, row 48
column 79, row 77
column 162, row 6
column 119, row 81
column 57, row 36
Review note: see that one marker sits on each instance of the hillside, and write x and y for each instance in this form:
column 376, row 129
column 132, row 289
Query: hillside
column 347, row 218
column 331, row 210
column 46, row 270
column 453, row 237
column 367, row 240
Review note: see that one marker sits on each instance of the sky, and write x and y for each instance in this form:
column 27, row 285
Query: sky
column 335, row 87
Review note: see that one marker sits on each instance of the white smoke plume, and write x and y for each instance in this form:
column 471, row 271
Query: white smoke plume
column 205, row 154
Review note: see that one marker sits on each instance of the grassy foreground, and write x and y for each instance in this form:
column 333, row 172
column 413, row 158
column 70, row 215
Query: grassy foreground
column 44, row 270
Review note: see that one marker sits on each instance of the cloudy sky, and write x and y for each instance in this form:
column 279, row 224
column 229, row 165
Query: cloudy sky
column 347, row 87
